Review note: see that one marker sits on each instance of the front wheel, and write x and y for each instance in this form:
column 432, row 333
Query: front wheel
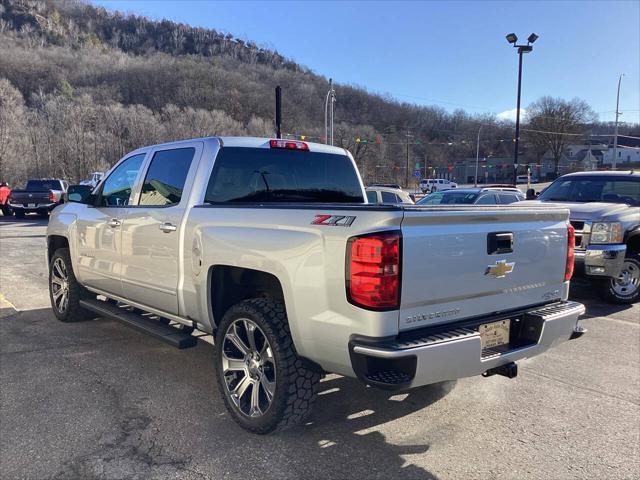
column 625, row 288
column 19, row 213
column 65, row 292
column 266, row 386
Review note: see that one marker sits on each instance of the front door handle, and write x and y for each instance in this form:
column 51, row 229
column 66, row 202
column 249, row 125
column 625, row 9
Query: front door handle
column 114, row 222
column 168, row 227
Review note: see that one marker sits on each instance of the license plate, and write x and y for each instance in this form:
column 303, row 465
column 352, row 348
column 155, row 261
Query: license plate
column 31, row 205
column 494, row 334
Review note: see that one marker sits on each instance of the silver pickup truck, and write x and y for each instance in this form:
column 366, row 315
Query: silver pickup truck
column 605, row 212
column 270, row 246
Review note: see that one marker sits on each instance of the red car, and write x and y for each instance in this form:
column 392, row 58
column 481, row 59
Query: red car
column 5, row 191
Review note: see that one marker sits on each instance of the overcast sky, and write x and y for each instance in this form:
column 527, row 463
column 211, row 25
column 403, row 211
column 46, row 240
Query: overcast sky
column 451, row 54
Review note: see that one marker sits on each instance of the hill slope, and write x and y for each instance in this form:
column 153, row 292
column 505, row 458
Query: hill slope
column 86, row 85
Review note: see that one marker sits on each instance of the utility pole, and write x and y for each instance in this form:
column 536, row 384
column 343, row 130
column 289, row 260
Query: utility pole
column 278, row 112
column 406, row 177
column 475, row 177
column 615, row 132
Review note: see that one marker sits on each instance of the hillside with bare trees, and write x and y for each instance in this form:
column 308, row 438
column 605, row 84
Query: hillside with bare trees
column 81, row 85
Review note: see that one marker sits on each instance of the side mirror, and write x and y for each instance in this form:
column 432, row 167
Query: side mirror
column 531, row 194
column 81, row 194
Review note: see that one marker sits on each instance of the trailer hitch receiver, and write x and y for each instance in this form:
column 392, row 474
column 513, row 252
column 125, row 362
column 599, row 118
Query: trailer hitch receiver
column 509, row 370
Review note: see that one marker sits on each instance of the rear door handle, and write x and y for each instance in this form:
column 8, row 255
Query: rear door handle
column 168, row 227
column 114, row 222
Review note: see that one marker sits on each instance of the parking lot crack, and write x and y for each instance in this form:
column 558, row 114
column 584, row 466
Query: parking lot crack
column 582, row 387
column 129, row 452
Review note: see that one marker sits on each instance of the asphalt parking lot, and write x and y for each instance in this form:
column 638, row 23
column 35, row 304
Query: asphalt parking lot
column 99, row 400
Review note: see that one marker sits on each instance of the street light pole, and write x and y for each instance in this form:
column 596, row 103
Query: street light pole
column 475, row 177
column 522, row 49
column 517, row 142
column 615, row 132
column 406, row 176
column 328, row 123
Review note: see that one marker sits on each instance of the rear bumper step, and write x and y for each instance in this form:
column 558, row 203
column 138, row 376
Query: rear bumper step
column 162, row 332
column 435, row 354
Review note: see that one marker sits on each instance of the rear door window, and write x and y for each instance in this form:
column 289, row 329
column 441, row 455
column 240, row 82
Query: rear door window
column 388, row 197
column 167, row 173
column 489, row 199
column 508, row 198
column 264, row 175
column 372, row 197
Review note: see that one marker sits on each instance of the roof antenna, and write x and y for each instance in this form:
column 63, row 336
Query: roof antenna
column 278, row 111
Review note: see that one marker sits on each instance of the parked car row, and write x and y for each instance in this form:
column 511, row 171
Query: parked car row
column 604, row 212
column 474, row 196
column 39, row 196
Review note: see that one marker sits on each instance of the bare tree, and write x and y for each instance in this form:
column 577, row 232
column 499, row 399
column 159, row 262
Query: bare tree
column 12, row 120
column 553, row 122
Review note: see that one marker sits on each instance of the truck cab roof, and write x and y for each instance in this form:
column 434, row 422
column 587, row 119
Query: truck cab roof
column 247, row 142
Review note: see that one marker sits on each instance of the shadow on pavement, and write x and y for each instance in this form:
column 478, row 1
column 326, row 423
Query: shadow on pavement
column 27, row 221
column 584, row 292
column 98, row 400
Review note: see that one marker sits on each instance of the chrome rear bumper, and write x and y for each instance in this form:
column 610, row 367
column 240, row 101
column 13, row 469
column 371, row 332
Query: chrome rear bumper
column 434, row 355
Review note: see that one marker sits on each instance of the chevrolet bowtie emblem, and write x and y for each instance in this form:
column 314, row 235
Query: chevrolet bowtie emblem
column 500, row 269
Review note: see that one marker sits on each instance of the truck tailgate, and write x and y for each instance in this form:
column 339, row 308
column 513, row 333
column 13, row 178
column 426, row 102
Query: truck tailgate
column 27, row 197
column 456, row 264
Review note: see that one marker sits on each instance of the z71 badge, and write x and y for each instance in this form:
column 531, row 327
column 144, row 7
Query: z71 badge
column 333, row 220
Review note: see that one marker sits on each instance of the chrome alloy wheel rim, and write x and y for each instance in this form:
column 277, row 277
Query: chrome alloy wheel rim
column 248, row 367
column 628, row 281
column 60, row 285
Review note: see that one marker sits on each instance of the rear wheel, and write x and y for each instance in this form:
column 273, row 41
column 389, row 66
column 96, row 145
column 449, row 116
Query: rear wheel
column 65, row 292
column 626, row 287
column 266, row 386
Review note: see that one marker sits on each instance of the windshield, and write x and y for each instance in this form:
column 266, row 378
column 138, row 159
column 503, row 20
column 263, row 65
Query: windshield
column 276, row 175
column 43, row 185
column 449, row 198
column 606, row 188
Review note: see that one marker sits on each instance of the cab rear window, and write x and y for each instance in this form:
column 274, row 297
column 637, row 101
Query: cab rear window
column 250, row 175
column 43, row 185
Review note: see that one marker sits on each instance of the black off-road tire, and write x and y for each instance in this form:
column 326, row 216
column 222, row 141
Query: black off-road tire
column 76, row 292
column 7, row 211
column 19, row 213
column 297, row 382
column 612, row 295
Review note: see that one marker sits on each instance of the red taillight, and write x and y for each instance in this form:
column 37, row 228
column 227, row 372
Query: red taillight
column 373, row 271
column 52, row 196
column 289, row 144
column 571, row 243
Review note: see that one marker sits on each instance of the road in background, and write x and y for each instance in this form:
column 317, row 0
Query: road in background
column 98, row 400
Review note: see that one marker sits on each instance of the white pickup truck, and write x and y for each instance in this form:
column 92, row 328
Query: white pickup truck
column 270, row 246
column 430, row 185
